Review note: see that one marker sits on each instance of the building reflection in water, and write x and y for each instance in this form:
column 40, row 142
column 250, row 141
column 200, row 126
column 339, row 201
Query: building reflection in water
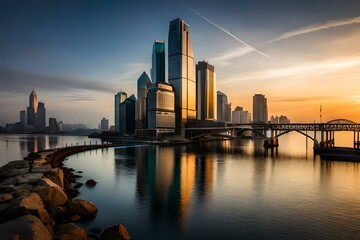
column 167, row 178
column 33, row 143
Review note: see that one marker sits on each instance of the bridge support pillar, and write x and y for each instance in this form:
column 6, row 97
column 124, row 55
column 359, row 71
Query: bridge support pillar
column 271, row 143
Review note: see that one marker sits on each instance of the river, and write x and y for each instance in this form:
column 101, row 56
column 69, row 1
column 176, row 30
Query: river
column 222, row 190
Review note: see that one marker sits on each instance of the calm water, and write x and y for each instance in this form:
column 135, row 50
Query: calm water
column 224, row 190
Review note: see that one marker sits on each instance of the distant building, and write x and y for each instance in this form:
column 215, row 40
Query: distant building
column 182, row 73
column 41, row 117
column 127, row 115
column 158, row 62
column 32, row 109
column 61, row 126
column 143, row 84
column 118, row 98
column 279, row 120
column 104, row 125
column 206, row 97
column 161, row 106
column 223, row 108
column 53, row 126
column 260, row 110
column 23, row 119
column 241, row 116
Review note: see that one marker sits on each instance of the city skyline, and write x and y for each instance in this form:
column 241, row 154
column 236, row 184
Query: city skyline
column 299, row 55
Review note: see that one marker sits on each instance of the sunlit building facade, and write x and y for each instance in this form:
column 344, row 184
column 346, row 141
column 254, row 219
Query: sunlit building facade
column 158, row 62
column 118, row 98
column 32, row 109
column 182, row 73
column 260, row 110
column 206, row 97
column 143, row 84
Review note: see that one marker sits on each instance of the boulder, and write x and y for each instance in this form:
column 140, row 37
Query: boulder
column 42, row 169
column 25, row 227
column 117, row 232
column 57, row 176
column 78, row 185
column 29, row 178
column 51, row 193
column 82, row 207
column 5, row 197
column 91, row 182
column 6, row 188
column 70, row 231
column 9, row 181
column 15, row 165
column 75, row 218
column 30, row 205
column 13, row 172
column 58, row 213
column 23, row 189
column 3, row 208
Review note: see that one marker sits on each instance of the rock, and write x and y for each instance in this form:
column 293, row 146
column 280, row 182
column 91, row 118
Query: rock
column 13, row 172
column 91, row 182
column 23, row 189
column 6, row 188
column 117, row 232
column 95, row 230
column 70, row 231
column 42, row 169
column 29, row 178
column 9, row 181
column 15, row 165
column 51, row 193
column 58, row 213
column 78, row 185
column 30, row 205
column 75, row 218
column 82, row 207
column 79, row 171
column 5, row 197
column 25, row 227
column 57, row 177
column 3, row 207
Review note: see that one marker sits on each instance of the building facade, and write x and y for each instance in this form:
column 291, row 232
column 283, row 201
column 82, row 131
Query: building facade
column 127, row 115
column 158, row 62
column 143, row 84
column 32, row 109
column 206, row 96
column 41, row 116
column 118, row 98
column 181, row 70
column 161, row 106
column 223, row 108
column 104, row 124
column 260, row 110
column 239, row 115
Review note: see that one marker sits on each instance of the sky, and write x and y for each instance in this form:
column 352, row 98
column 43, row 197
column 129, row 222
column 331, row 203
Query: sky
column 77, row 54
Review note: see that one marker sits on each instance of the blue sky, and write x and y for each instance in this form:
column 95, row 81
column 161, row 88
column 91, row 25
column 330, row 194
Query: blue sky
column 78, row 54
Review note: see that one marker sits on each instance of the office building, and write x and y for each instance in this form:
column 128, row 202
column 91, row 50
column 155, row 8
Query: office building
column 127, row 115
column 161, row 106
column 23, row 119
column 119, row 98
column 260, row 111
column 223, row 108
column 41, row 117
column 104, row 124
column 53, row 126
column 143, row 84
column 182, row 73
column 206, row 97
column 158, row 62
column 239, row 115
column 32, row 109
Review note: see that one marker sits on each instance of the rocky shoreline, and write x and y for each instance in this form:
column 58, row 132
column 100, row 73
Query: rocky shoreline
column 38, row 199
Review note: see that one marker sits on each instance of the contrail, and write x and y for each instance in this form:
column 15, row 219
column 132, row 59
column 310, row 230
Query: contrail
column 316, row 27
column 224, row 30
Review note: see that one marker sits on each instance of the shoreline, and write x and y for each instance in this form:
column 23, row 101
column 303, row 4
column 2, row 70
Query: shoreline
column 38, row 198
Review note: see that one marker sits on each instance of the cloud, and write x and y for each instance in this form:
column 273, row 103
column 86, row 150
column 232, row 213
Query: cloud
column 224, row 30
column 13, row 81
column 316, row 27
column 304, row 99
column 78, row 98
column 234, row 53
column 305, row 69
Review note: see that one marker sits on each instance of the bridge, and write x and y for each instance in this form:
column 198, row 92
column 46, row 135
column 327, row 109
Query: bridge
column 327, row 131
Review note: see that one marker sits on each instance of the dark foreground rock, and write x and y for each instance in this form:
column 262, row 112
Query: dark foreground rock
column 82, row 207
column 117, row 232
column 70, row 231
column 25, row 227
column 91, row 182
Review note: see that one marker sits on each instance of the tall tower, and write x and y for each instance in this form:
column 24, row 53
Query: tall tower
column 32, row 109
column 260, row 111
column 119, row 98
column 158, row 62
column 182, row 73
column 143, row 84
column 41, row 116
column 206, row 92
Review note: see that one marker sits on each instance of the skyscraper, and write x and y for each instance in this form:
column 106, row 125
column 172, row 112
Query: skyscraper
column 206, row 96
column 41, row 116
column 22, row 118
column 127, row 115
column 119, row 98
column 143, row 84
column 182, row 73
column 260, row 111
column 32, row 109
column 223, row 108
column 158, row 62
column 104, row 124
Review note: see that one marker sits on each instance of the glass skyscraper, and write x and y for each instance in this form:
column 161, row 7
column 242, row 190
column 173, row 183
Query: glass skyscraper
column 182, row 73
column 119, row 98
column 143, row 84
column 158, row 62
column 32, row 109
column 206, row 96
column 260, row 111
